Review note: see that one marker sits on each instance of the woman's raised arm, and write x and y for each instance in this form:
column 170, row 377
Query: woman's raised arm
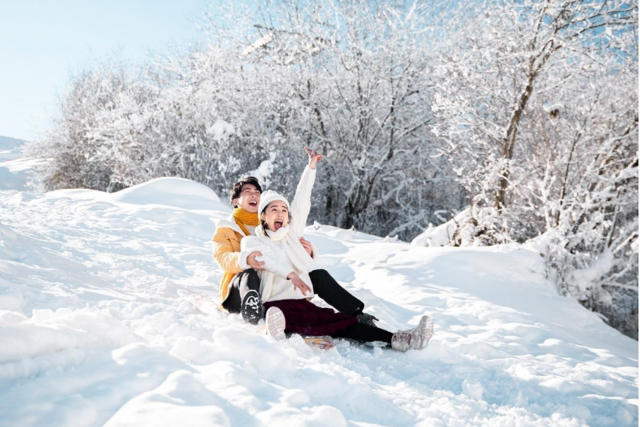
column 301, row 204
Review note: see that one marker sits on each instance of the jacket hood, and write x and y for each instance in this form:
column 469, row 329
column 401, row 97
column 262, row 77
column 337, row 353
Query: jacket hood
column 229, row 222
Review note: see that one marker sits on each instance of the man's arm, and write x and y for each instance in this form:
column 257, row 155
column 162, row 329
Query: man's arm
column 231, row 261
column 223, row 253
column 272, row 262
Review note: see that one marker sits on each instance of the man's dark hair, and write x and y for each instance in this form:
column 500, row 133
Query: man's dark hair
column 236, row 189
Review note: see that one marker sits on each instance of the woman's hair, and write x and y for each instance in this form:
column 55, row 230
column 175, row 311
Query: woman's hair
column 236, row 189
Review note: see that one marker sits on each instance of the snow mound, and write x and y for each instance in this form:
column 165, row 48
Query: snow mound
column 14, row 169
column 10, row 148
column 178, row 192
column 461, row 230
column 443, row 234
column 170, row 192
column 108, row 317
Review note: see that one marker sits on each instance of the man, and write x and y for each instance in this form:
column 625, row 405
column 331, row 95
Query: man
column 240, row 285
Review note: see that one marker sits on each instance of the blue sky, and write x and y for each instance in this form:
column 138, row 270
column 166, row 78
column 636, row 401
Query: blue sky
column 43, row 41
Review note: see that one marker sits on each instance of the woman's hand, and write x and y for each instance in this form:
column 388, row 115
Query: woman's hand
column 298, row 283
column 307, row 246
column 313, row 157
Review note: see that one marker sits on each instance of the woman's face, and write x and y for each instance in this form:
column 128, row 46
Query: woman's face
column 276, row 215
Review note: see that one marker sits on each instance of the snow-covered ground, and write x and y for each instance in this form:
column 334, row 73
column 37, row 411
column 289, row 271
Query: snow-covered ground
column 14, row 168
column 99, row 326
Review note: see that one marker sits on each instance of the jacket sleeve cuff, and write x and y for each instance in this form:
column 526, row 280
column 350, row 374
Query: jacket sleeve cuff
column 242, row 259
column 314, row 252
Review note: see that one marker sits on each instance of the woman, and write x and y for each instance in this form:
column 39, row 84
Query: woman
column 285, row 284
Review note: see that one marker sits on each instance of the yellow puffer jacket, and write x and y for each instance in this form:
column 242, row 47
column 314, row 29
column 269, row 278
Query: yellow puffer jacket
column 226, row 252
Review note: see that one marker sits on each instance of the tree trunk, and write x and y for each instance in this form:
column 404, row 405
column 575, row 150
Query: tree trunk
column 510, row 140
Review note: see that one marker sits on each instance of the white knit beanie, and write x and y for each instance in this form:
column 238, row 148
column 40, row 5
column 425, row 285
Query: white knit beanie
column 268, row 197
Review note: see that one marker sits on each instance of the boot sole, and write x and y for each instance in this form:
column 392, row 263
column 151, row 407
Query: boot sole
column 276, row 323
column 429, row 331
column 425, row 325
column 250, row 313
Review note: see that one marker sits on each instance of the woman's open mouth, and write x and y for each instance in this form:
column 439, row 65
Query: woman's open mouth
column 277, row 225
column 253, row 203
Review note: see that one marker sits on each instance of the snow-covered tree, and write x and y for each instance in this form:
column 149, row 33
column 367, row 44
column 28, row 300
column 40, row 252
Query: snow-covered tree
column 73, row 149
column 496, row 62
column 351, row 81
column 537, row 113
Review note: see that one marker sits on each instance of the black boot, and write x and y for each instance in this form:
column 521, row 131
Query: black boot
column 252, row 308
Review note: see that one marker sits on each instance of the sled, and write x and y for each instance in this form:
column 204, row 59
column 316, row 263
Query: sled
column 321, row 342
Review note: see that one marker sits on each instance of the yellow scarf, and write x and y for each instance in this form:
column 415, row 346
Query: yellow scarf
column 243, row 218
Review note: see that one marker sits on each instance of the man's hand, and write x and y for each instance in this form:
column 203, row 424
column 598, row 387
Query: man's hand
column 307, row 246
column 313, row 157
column 253, row 262
column 298, row 283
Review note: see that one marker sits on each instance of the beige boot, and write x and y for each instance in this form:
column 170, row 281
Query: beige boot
column 416, row 338
column 422, row 334
column 401, row 341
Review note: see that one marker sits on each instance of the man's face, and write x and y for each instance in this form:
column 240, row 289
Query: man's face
column 249, row 198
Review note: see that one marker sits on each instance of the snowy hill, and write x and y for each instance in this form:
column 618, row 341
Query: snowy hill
column 98, row 327
column 14, row 168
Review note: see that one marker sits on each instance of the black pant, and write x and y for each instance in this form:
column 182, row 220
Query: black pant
column 324, row 286
column 364, row 333
column 238, row 287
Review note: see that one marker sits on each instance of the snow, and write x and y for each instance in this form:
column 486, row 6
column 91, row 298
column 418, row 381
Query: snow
column 584, row 277
column 14, row 169
column 177, row 193
column 221, row 129
column 443, row 234
column 99, row 326
column 263, row 173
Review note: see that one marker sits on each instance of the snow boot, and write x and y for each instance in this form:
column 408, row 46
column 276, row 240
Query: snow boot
column 401, row 341
column 422, row 334
column 276, row 323
column 416, row 338
column 252, row 308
